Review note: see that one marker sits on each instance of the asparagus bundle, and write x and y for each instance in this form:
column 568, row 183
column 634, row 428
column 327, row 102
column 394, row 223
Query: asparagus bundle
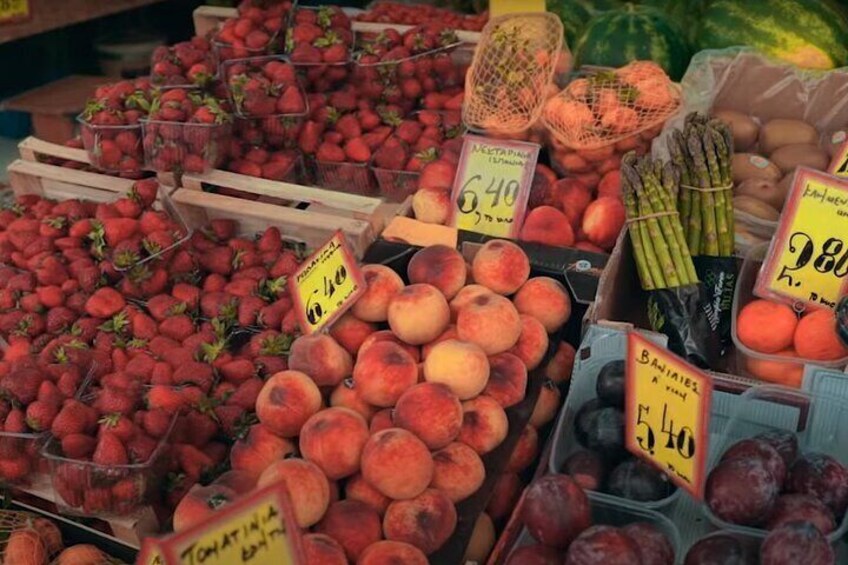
column 649, row 190
column 701, row 153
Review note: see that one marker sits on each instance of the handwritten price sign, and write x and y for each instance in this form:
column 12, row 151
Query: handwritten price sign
column 492, row 185
column 839, row 164
column 13, row 11
column 808, row 259
column 326, row 285
column 501, row 7
column 667, row 412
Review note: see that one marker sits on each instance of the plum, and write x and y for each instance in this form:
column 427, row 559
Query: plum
column 610, row 384
column 602, row 545
column 636, row 480
column 801, row 508
column 720, row 549
column 555, row 510
column 741, row 491
column 654, row 547
column 758, row 449
column 584, row 419
column 784, row 441
column 587, row 468
column 601, row 429
column 823, row 477
column 536, row 554
column 796, row 542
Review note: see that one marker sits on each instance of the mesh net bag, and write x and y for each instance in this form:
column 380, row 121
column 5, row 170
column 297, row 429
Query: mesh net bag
column 605, row 106
column 512, row 71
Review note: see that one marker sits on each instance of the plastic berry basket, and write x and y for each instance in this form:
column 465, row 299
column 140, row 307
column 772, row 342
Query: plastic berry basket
column 292, row 174
column 355, row 178
column 224, row 51
column 279, row 131
column 125, row 139
column 20, row 457
column 396, row 186
column 184, row 147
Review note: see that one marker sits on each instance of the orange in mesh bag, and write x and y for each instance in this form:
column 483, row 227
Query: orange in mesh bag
column 607, row 106
column 512, row 70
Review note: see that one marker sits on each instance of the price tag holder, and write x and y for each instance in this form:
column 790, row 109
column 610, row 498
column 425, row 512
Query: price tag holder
column 259, row 529
column 839, row 165
column 492, row 185
column 667, row 413
column 326, row 285
column 807, row 262
column 14, row 11
column 501, row 7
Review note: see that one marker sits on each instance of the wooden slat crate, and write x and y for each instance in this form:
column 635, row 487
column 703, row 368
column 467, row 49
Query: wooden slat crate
column 61, row 183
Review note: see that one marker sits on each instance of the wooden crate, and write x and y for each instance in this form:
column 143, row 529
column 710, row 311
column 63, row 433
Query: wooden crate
column 62, row 183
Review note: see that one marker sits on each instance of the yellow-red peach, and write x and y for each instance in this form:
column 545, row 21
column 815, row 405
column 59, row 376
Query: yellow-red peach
column 501, row 266
column 546, row 300
column 321, row 549
column 322, row 358
column 357, row 488
column 458, row 471
column 286, row 401
column 258, row 449
column 546, row 406
column 525, row 451
column 440, row 266
column 464, row 296
column 307, row 486
column 507, row 379
column 349, row 331
column 353, row 524
column 482, row 540
column 425, row 521
column 430, row 411
column 431, row 206
column 345, row 395
column 386, row 335
column 449, row 333
column 333, row 439
column 491, row 321
column 504, row 497
column 388, row 552
column 382, row 420
column 559, row 367
column 547, row 225
column 532, row 343
column 397, row 464
column 382, row 284
column 419, row 313
column 460, row 365
column 383, row 373
column 198, row 505
column 484, row 424
column 603, row 220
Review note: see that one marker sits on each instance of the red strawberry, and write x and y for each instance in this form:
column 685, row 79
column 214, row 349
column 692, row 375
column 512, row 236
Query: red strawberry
column 141, row 447
column 50, row 394
column 156, row 422
column 238, row 370
column 177, row 327
column 68, row 383
column 145, row 191
column 310, row 136
column 22, row 384
column 246, row 393
column 78, row 446
column 291, row 101
column 437, row 175
column 15, row 422
column 357, row 150
column 391, row 155
column 409, row 131
column 199, row 374
column 348, row 126
column 193, row 461
column 153, row 221
column 331, row 153
column 40, row 415
column 116, row 400
column 50, row 296
column 163, row 306
column 162, row 374
column 201, row 428
column 60, row 319
column 118, row 425
column 96, row 500
column 166, row 398
column 105, row 303
column 74, row 418
column 143, row 326
column 110, row 450
column 141, row 366
column 187, row 294
column 128, row 208
column 116, row 230
column 218, row 260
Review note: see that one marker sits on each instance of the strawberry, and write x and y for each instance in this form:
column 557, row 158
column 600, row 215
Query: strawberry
column 166, row 398
column 74, row 418
column 202, row 428
column 152, row 221
column 50, row 394
column 50, row 296
column 156, row 422
column 248, row 309
column 162, row 374
column 78, row 446
column 68, row 383
column 181, row 263
column 22, row 384
column 105, row 303
column 230, row 419
column 177, row 327
column 330, row 153
column 145, row 192
column 187, row 294
column 163, row 306
column 118, row 425
column 143, row 326
column 116, row 230
column 437, row 175
column 141, row 447
column 392, row 155
column 15, row 422
column 40, row 415
column 193, row 461
column 141, row 366
column 96, row 500
column 128, row 208
column 310, row 136
column 348, row 126
column 115, row 400
column 246, row 393
column 218, row 260
column 59, row 319
column 291, row 101
column 110, row 450
column 238, row 370
column 199, row 374
column 357, row 151
column 218, row 304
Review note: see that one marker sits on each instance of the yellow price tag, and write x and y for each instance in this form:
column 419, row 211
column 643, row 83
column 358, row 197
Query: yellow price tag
column 501, row 7
column 839, row 165
column 808, row 259
column 492, row 185
column 667, row 412
column 13, row 10
column 326, row 285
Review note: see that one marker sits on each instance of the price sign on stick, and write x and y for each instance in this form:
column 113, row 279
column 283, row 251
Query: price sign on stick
column 492, row 185
column 667, row 412
column 808, row 259
column 326, row 285
column 839, row 164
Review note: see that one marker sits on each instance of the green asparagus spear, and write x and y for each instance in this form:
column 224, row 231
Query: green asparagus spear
column 709, row 245
column 670, row 180
column 677, row 149
column 725, row 237
column 724, row 151
column 636, row 237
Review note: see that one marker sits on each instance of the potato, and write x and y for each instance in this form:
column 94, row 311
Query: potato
column 790, row 156
column 749, row 166
column 780, row 131
column 756, row 208
column 764, row 190
column 745, row 129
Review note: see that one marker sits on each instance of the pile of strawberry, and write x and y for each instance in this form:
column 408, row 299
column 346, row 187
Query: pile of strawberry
column 414, row 14
column 319, row 42
column 254, row 32
column 187, row 63
column 264, row 86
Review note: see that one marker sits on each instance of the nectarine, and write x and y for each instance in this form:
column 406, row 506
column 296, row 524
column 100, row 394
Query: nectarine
column 418, row 314
column 425, row 521
column 490, row 321
column 430, row 411
column 333, row 439
column 484, row 424
column 383, row 372
column 322, row 358
column 307, row 486
column 545, row 299
column 501, row 266
column 461, row 366
column 286, row 401
column 382, row 284
column 440, row 266
column 397, row 464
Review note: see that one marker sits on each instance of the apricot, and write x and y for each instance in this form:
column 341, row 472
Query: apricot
column 765, row 326
column 507, row 379
column 574, row 197
column 425, row 521
column 440, row 266
column 449, row 333
column 357, row 488
column 388, row 552
column 545, row 299
column 333, row 439
column 199, row 503
column 816, row 337
column 306, row 484
column 382, row 284
column 458, row 471
column 258, row 449
column 418, row 314
column 383, row 373
column 349, row 331
column 431, row 206
column 387, row 335
column 286, row 401
column 780, row 372
column 397, row 464
column 322, row 549
column 547, row 405
column 525, row 451
column 430, row 411
column 461, row 366
column 353, row 524
column 484, row 424
column 532, row 342
column 490, row 321
column 464, row 296
column 346, row 395
column 547, row 225
column 482, row 540
column 382, row 420
column 501, row 266
column 559, row 368
column 505, row 495
column 322, row 358
column 603, row 220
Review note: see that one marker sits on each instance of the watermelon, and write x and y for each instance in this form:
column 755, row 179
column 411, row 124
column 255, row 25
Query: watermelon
column 573, row 15
column 631, row 33
column 808, row 33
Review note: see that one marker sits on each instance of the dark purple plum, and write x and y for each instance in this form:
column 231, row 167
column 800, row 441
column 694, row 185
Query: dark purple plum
column 636, row 480
column 794, row 543
column 555, row 510
column 587, row 468
column 610, row 384
column 602, row 545
column 601, row 429
column 785, row 442
column 823, row 477
column 536, row 554
column 720, row 549
column 801, row 508
column 741, row 491
column 654, row 547
column 758, row 449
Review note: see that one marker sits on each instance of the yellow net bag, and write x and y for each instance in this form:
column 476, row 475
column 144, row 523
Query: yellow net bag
column 512, row 70
column 606, row 106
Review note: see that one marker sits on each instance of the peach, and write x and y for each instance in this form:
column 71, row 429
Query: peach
column 546, row 406
column 525, row 451
column 482, row 540
column 559, row 367
column 490, row 321
column 449, row 333
column 387, row 335
column 461, row 366
column 464, row 296
column 333, row 439
column 440, row 266
column 431, row 206
column 353, row 524
column 603, row 220
column 357, row 488
column 501, row 266
column 507, row 379
column 322, row 358
column 306, row 484
column 258, row 449
column 322, row 549
column 397, row 464
column 766, row 327
column 388, row 552
column 816, row 337
column 574, row 197
column 382, row 420
column 504, row 497
column 545, row 299
column 532, row 342
column 346, row 395
column 457, row 471
column 588, row 246
column 547, row 225
column 425, row 521
column 418, row 314
column 484, row 424
column 349, row 331
column 382, row 284
column 430, row 411
column 383, row 373
column 286, row 401
column 199, row 503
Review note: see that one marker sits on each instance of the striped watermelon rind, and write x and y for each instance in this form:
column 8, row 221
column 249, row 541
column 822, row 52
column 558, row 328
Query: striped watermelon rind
column 573, row 16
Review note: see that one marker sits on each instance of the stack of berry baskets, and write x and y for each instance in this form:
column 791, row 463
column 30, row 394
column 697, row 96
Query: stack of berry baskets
column 270, row 108
column 355, row 178
column 186, row 131
column 319, row 42
column 188, row 64
column 253, row 33
column 111, row 132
